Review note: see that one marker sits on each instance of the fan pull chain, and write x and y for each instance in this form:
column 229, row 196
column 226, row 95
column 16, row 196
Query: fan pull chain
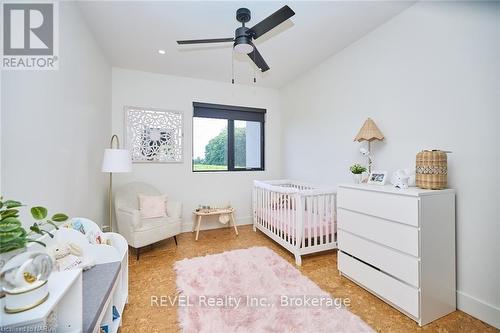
column 254, row 75
column 232, row 67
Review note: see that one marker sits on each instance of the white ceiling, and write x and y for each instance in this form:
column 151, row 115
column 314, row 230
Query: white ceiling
column 131, row 32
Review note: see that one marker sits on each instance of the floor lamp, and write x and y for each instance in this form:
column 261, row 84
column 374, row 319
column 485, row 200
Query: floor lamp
column 115, row 160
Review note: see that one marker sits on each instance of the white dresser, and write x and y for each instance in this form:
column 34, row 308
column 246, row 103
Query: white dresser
column 400, row 245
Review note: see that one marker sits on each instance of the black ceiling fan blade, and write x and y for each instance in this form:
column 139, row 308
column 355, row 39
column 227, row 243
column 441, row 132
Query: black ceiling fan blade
column 258, row 60
column 205, row 41
column 273, row 20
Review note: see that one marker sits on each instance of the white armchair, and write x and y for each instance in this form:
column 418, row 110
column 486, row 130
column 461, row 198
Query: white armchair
column 141, row 232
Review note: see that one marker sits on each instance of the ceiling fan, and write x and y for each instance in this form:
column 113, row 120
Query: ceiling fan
column 243, row 36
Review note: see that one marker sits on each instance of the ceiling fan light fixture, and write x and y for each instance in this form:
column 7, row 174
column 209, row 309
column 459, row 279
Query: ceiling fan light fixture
column 243, row 48
column 243, row 45
column 243, row 36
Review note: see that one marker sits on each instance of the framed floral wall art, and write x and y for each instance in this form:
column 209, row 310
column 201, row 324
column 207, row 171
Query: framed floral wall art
column 154, row 135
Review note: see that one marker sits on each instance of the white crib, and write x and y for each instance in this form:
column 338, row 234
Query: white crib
column 299, row 216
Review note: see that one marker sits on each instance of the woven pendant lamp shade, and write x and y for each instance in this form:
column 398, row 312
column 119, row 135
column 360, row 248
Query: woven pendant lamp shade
column 369, row 132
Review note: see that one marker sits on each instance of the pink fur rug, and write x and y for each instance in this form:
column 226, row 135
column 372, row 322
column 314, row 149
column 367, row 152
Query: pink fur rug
column 255, row 290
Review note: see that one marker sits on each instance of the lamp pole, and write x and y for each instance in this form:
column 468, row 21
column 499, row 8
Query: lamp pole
column 369, row 157
column 110, row 189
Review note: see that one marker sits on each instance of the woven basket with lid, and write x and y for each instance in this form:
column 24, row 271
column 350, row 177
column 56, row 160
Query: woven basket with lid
column 431, row 169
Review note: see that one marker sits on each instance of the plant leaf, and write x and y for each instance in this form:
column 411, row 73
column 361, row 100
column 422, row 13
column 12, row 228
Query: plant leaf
column 12, row 245
column 9, row 224
column 9, row 236
column 9, row 212
column 59, row 217
column 12, row 203
column 39, row 213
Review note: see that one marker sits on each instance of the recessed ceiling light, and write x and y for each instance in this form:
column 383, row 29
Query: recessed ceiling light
column 161, row 51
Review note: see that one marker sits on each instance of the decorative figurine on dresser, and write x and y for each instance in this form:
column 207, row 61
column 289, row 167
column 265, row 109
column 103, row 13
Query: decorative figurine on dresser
column 400, row 245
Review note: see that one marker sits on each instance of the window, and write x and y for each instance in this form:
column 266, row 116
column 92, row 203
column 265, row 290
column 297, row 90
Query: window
column 227, row 138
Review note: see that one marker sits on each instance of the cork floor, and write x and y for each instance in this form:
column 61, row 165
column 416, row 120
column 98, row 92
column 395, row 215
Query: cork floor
column 153, row 275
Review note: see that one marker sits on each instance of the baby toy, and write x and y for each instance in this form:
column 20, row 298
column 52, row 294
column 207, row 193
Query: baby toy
column 403, row 178
column 69, row 256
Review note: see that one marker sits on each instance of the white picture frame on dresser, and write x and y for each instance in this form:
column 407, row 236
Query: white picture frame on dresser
column 377, row 178
column 400, row 245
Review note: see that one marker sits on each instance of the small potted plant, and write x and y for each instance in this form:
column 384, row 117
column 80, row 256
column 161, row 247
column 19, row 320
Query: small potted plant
column 13, row 237
column 357, row 172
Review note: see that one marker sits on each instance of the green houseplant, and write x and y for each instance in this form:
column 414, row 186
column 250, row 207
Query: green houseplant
column 12, row 234
column 357, row 171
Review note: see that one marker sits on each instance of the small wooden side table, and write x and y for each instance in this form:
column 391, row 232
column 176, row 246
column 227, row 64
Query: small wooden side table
column 199, row 214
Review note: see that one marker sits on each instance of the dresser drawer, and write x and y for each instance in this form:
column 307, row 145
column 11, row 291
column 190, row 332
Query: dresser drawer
column 403, row 209
column 395, row 235
column 394, row 291
column 397, row 264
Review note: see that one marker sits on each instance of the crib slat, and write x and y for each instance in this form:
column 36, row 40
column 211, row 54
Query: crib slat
column 325, row 215
column 261, row 206
column 294, row 221
column 280, row 231
column 307, row 207
column 270, row 210
column 308, row 214
column 329, row 216
column 273, row 212
column 310, row 208
column 266, row 210
column 278, row 214
column 332, row 218
column 315, row 217
column 261, row 212
column 297, row 212
column 319, row 218
column 287, row 220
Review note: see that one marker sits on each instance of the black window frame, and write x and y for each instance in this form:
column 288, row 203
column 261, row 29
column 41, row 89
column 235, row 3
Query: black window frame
column 232, row 113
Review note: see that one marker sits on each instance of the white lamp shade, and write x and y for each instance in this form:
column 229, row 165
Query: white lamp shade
column 116, row 160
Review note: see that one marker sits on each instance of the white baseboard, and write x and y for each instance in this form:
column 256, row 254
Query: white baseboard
column 188, row 226
column 479, row 309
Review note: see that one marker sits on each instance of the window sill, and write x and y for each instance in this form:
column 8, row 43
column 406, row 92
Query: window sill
column 227, row 171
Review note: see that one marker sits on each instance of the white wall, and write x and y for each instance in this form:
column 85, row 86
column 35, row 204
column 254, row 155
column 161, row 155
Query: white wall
column 55, row 125
column 430, row 79
column 135, row 88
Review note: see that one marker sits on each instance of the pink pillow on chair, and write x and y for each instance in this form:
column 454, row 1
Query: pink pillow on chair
column 152, row 206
